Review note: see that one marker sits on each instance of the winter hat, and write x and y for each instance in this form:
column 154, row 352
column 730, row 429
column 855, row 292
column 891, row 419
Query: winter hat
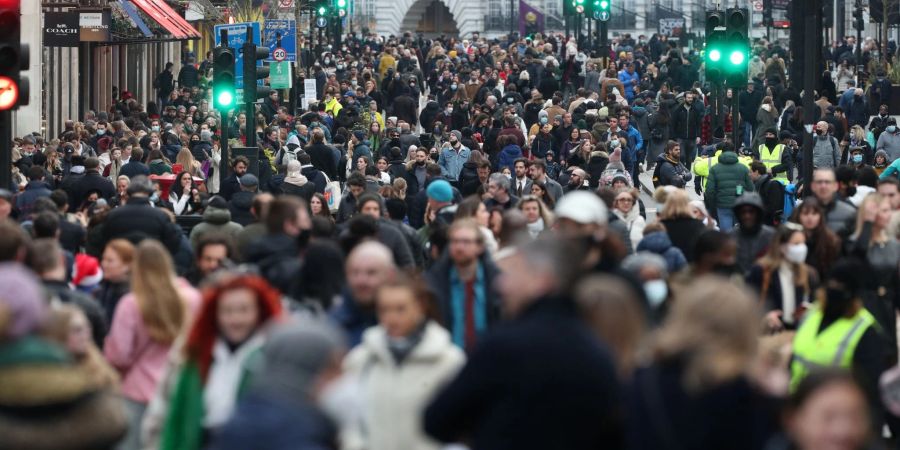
column 249, row 180
column 542, row 114
column 22, row 310
column 87, row 271
column 603, row 113
column 440, row 191
column 582, row 207
column 293, row 142
column 359, row 135
column 458, row 134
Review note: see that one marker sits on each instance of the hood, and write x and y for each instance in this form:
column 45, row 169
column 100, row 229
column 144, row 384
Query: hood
column 297, row 179
column 887, row 159
column 729, row 158
column 432, row 106
column 512, row 150
column 638, row 111
column 751, row 199
column 216, row 216
column 657, row 242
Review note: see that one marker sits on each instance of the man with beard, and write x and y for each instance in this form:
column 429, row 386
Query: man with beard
column 232, row 184
column 453, row 157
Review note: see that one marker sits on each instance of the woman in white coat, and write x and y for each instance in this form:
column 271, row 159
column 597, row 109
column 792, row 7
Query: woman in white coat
column 400, row 365
column 625, row 208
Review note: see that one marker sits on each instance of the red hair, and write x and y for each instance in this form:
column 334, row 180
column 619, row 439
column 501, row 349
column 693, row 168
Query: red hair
column 204, row 331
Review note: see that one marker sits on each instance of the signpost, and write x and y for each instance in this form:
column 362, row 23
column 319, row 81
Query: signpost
column 280, row 75
column 237, row 36
column 286, row 31
column 321, row 22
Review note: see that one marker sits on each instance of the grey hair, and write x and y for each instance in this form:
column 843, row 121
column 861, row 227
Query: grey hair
column 500, row 180
column 635, row 262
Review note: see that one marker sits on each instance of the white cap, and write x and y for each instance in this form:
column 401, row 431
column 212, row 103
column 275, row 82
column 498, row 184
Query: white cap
column 582, row 207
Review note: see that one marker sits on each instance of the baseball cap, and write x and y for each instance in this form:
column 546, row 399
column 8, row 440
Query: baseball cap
column 249, row 180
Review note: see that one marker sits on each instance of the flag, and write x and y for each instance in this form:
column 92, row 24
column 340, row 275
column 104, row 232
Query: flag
column 531, row 20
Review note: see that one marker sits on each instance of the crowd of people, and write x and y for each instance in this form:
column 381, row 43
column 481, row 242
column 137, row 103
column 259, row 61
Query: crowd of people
column 451, row 247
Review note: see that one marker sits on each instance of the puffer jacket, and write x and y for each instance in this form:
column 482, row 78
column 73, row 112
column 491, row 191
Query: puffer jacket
column 508, row 157
column 660, row 244
column 215, row 220
column 725, row 179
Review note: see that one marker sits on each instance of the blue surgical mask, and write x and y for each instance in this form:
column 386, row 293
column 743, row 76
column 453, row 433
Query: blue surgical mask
column 453, row 86
column 656, row 291
column 857, row 158
column 891, row 128
column 101, row 132
column 544, row 120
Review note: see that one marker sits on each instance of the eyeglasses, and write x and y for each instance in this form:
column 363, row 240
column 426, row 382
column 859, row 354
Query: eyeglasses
column 625, row 199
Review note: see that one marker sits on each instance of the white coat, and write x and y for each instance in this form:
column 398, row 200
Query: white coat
column 394, row 396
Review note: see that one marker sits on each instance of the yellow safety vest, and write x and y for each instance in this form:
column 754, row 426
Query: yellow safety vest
column 833, row 347
column 772, row 159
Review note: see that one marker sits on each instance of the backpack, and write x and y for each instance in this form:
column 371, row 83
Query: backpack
column 656, row 173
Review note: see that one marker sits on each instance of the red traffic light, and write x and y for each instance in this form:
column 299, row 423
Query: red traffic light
column 9, row 93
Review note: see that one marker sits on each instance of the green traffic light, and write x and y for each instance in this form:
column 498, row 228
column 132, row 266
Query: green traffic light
column 715, row 55
column 737, row 57
column 342, row 4
column 322, row 10
column 604, row 4
column 225, row 98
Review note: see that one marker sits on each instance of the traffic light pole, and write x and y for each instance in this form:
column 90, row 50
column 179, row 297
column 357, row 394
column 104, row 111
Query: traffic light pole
column 813, row 24
column 250, row 105
column 604, row 44
column 6, row 149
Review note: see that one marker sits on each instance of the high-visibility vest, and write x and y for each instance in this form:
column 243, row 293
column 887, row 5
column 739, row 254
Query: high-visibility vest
column 833, row 347
column 772, row 159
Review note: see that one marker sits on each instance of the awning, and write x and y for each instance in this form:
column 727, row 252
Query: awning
column 167, row 18
column 135, row 17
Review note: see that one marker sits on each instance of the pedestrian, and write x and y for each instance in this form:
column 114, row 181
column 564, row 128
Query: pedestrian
column 727, row 181
column 144, row 327
column 834, row 394
column 752, row 235
column 839, row 214
column 403, row 362
column 826, row 152
column 625, row 208
column 686, row 126
column 670, row 169
column 681, row 226
column 201, row 390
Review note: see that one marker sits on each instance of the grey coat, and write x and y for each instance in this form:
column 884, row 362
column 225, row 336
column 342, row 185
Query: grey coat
column 826, row 153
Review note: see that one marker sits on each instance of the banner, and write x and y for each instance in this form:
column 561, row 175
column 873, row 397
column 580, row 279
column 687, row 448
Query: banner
column 94, row 26
column 531, row 20
column 671, row 27
column 61, row 29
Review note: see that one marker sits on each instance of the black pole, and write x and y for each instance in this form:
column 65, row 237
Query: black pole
column 512, row 18
column 250, row 106
column 225, row 163
column 6, row 149
column 735, row 121
column 858, row 59
column 604, row 44
column 813, row 22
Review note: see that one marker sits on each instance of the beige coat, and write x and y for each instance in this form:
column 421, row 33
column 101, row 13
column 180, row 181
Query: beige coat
column 394, row 397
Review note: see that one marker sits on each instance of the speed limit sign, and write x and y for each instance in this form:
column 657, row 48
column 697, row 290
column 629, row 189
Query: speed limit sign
column 279, row 54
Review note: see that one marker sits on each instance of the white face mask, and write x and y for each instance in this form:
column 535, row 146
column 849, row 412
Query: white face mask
column 796, row 253
column 656, row 291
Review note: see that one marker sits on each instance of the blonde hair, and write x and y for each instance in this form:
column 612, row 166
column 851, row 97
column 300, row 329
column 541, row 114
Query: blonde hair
column 676, row 206
column 613, row 310
column 99, row 373
column 162, row 309
column 860, row 217
column 186, row 159
column 543, row 210
column 713, row 328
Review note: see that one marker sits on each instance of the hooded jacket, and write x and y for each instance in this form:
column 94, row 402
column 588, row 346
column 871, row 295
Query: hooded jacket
column 752, row 242
column 660, row 244
column 508, row 157
column 725, row 179
column 215, row 220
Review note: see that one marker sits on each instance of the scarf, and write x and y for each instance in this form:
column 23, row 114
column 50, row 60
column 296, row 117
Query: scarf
column 535, row 228
column 296, row 179
column 402, row 347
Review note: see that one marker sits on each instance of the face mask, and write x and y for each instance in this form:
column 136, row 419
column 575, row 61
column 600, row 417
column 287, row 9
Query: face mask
column 796, row 253
column 836, row 301
column 101, row 132
column 155, row 128
column 770, row 142
column 327, row 61
column 820, row 132
column 154, row 198
column 891, row 128
column 453, row 86
column 449, row 110
column 544, row 120
column 340, row 67
column 857, row 159
column 437, row 131
column 656, row 291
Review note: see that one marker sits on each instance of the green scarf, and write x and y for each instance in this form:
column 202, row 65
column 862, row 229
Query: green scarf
column 184, row 422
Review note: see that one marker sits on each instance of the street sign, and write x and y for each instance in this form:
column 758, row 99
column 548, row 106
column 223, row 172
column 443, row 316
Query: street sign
column 279, row 54
column 603, row 16
column 237, row 36
column 286, row 4
column 321, row 22
column 280, row 75
column 758, row 6
column 287, row 31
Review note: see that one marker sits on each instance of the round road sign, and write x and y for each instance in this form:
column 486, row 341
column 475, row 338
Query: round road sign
column 321, row 22
column 603, row 16
column 279, row 54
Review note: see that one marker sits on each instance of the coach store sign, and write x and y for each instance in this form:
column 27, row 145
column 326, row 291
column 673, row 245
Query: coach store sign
column 61, row 29
column 94, row 26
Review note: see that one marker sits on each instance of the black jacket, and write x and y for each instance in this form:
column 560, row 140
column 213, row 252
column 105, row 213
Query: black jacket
column 92, row 310
column 138, row 220
column 240, row 205
column 229, row 187
column 322, row 158
column 315, row 176
column 687, row 122
column 683, row 233
column 542, row 381
column 92, row 181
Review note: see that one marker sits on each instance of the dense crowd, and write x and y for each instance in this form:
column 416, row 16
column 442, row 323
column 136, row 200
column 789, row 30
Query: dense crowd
column 451, row 247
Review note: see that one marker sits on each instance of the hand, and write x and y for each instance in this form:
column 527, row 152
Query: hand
column 698, row 140
column 773, row 320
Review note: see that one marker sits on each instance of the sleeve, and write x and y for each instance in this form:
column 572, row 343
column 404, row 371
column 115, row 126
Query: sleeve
column 709, row 196
column 119, row 346
column 442, row 161
column 639, row 141
column 179, row 204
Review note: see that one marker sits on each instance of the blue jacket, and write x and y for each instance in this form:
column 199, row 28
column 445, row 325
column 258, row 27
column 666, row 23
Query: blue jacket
column 635, row 140
column 630, row 80
column 452, row 162
column 352, row 319
column 265, row 422
column 25, row 201
column 508, row 156
column 660, row 244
